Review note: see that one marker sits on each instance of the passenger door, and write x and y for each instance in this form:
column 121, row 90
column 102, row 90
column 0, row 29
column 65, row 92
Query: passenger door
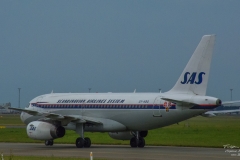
column 156, row 107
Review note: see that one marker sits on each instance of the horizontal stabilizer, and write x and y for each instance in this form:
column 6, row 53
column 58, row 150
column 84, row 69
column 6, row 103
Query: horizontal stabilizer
column 179, row 101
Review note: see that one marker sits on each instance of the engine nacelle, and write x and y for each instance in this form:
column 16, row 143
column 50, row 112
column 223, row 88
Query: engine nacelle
column 126, row 135
column 143, row 133
column 44, row 131
column 121, row 135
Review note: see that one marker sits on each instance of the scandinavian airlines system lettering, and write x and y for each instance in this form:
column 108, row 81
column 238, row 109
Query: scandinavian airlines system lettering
column 32, row 127
column 91, row 101
column 71, row 101
column 191, row 79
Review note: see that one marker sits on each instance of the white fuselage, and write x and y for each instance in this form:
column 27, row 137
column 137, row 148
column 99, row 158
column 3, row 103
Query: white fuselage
column 135, row 111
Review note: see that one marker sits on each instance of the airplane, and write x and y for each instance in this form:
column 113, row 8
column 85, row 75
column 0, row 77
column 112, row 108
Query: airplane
column 125, row 116
column 214, row 113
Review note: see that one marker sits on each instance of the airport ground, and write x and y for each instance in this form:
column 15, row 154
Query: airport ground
column 118, row 152
column 199, row 131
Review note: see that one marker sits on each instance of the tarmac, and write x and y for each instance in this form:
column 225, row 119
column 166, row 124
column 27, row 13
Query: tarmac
column 118, row 152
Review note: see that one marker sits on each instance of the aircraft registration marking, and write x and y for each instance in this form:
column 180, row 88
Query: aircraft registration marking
column 143, row 101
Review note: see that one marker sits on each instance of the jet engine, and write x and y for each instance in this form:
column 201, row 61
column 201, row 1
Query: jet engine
column 126, row 135
column 44, row 131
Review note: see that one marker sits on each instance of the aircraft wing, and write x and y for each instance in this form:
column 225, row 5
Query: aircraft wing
column 213, row 113
column 32, row 112
column 63, row 118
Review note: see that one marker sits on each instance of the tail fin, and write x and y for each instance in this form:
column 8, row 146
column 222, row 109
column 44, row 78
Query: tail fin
column 194, row 78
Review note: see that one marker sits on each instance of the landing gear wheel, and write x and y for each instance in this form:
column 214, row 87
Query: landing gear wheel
column 141, row 142
column 134, row 142
column 49, row 142
column 79, row 142
column 87, row 142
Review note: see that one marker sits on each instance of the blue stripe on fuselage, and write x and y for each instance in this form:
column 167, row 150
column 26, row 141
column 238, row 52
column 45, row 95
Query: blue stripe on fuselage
column 101, row 106
column 114, row 106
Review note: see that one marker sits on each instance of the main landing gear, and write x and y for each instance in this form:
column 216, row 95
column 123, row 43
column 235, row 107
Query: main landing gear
column 82, row 142
column 49, row 142
column 137, row 141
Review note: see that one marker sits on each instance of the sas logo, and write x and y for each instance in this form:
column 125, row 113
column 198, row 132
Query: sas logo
column 190, row 78
column 32, row 127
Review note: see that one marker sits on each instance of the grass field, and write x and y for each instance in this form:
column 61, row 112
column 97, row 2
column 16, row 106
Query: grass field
column 10, row 120
column 198, row 131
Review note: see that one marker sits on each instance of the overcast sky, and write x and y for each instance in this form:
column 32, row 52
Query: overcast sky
column 113, row 46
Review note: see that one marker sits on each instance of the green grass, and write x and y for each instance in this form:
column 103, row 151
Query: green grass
column 13, row 120
column 198, row 131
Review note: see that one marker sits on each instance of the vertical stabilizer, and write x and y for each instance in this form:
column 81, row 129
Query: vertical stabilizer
column 194, row 78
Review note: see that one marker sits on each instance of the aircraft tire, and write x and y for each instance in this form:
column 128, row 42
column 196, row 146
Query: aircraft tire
column 141, row 142
column 79, row 142
column 49, row 142
column 133, row 142
column 87, row 142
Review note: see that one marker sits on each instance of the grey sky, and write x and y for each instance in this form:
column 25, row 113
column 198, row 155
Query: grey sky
column 117, row 46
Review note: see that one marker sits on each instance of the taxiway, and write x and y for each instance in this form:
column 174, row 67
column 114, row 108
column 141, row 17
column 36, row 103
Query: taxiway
column 118, row 151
